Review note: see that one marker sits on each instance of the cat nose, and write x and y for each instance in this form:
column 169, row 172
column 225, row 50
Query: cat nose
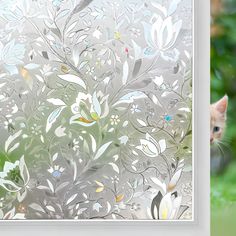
column 211, row 139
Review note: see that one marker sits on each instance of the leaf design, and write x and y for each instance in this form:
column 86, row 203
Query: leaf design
column 96, row 104
column 31, row 66
column 174, row 180
column 71, row 27
column 108, row 207
column 75, row 170
column 36, row 207
column 24, row 170
column 52, row 117
column 137, row 67
column 45, row 55
column 90, row 108
column 56, row 101
column 79, row 7
column 11, row 138
column 73, row 79
column 9, row 214
column 162, row 144
column 101, row 150
column 181, row 211
column 156, row 181
column 141, row 122
column 83, row 64
column 50, row 185
column 61, row 186
column 130, row 97
column 137, row 50
column 115, row 167
column 82, row 38
column 94, row 144
column 125, row 72
column 50, row 208
column 72, row 198
column 173, row 6
column 156, row 205
column 155, row 99
column 14, row 147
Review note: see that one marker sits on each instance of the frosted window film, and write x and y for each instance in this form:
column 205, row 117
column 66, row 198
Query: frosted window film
column 96, row 109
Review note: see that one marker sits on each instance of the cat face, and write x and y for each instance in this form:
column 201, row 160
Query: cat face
column 218, row 119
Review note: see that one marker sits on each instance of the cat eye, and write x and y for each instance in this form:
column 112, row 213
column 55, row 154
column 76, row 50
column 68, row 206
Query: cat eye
column 216, row 129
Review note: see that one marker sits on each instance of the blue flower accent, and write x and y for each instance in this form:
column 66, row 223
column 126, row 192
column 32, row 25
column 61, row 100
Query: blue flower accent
column 56, row 174
column 57, row 3
column 149, row 51
column 168, row 118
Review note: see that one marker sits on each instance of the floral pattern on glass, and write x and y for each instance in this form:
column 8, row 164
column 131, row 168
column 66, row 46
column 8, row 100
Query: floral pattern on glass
column 96, row 110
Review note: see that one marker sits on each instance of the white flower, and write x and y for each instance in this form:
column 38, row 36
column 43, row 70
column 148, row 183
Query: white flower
column 12, row 215
column 15, row 177
column 151, row 147
column 124, row 139
column 35, row 130
column 161, row 37
column 97, row 33
column 8, row 124
column 135, row 31
column 97, row 206
column 119, row 207
column 114, row 120
column 135, row 207
column 75, row 144
column 60, row 131
column 164, row 33
column 56, row 171
column 88, row 109
column 82, row 98
column 134, row 109
column 115, row 180
column 169, row 207
column 90, row 70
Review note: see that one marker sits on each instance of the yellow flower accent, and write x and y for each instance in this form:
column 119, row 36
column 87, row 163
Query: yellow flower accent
column 100, row 188
column 119, row 197
column 64, row 69
column 25, row 73
column 95, row 116
column 164, row 213
column 117, row 35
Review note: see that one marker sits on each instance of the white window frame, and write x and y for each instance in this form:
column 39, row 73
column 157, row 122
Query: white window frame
column 200, row 226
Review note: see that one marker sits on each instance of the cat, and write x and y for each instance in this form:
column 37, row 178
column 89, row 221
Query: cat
column 218, row 117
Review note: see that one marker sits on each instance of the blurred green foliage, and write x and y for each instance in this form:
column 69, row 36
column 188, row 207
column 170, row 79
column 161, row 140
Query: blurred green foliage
column 223, row 81
column 223, row 70
column 223, row 203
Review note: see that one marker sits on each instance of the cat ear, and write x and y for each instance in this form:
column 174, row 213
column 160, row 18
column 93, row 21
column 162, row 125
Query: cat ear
column 222, row 104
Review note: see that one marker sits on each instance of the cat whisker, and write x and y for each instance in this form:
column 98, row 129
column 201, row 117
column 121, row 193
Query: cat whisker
column 227, row 145
column 220, row 148
column 227, row 140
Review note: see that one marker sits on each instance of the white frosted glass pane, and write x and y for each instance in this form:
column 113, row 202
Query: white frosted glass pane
column 96, row 110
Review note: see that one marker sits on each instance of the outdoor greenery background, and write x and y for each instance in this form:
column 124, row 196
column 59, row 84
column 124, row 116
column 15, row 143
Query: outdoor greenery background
column 223, row 81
